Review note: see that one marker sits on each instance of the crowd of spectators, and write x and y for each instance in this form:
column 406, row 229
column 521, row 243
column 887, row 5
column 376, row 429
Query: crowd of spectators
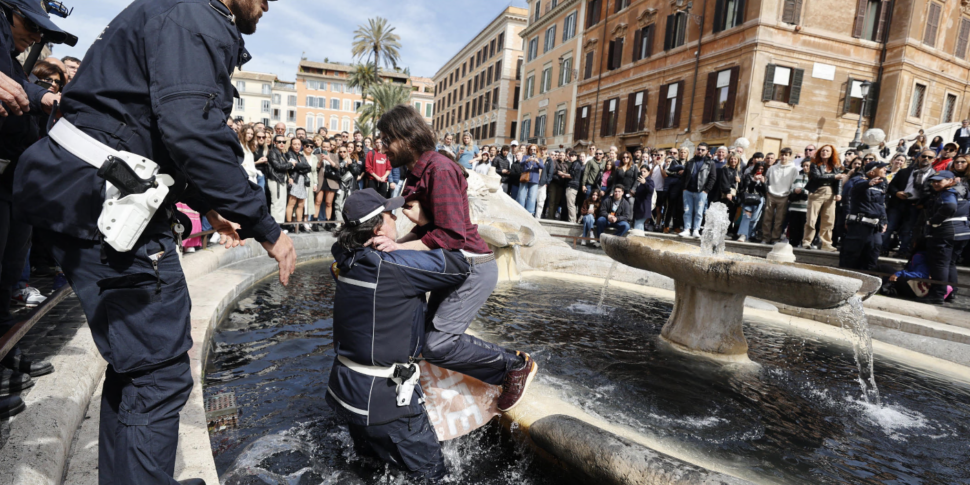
column 796, row 197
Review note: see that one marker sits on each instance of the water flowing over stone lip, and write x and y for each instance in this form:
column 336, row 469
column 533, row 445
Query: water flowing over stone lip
column 794, row 284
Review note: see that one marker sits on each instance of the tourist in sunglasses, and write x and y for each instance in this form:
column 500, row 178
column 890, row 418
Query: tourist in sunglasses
column 276, row 178
column 945, row 156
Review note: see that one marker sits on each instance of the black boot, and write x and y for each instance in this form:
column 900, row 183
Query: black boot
column 12, row 382
column 11, row 406
column 20, row 364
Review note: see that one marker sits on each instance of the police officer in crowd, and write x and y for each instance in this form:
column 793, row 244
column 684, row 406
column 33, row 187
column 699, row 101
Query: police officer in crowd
column 25, row 106
column 378, row 329
column 154, row 84
column 947, row 231
column 865, row 220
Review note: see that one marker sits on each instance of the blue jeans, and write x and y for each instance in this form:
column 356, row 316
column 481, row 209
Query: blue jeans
column 588, row 223
column 747, row 222
column 695, row 204
column 640, row 223
column 261, row 181
column 514, row 192
column 527, row 196
column 623, row 227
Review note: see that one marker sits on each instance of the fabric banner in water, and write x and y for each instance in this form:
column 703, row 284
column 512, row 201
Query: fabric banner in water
column 457, row 404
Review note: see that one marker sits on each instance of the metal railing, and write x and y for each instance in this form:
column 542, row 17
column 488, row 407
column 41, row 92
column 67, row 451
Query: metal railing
column 13, row 336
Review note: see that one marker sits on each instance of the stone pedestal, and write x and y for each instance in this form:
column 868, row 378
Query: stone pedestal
column 707, row 322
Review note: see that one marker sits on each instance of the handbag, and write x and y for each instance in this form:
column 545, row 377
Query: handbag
column 751, row 199
column 524, row 178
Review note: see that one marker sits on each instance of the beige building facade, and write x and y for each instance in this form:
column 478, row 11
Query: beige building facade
column 551, row 46
column 477, row 90
column 263, row 98
column 777, row 72
column 422, row 96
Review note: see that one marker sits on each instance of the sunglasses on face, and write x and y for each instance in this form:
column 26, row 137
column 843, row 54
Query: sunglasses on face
column 28, row 24
column 599, row 154
column 927, row 156
column 260, row 137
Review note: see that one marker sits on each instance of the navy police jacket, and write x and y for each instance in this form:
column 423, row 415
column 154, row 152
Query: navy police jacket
column 16, row 132
column 947, row 213
column 379, row 320
column 155, row 82
column 869, row 201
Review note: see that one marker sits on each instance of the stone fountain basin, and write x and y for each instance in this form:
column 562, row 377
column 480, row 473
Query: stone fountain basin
column 795, row 284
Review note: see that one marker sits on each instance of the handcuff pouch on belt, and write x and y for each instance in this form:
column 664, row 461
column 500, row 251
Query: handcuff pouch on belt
column 406, row 376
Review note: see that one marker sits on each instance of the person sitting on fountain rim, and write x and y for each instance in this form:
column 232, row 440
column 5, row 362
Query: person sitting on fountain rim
column 947, row 232
column 378, row 329
column 865, row 220
column 439, row 188
column 615, row 212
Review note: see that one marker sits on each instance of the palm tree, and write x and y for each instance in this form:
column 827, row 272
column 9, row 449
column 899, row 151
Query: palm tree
column 363, row 76
column 376, row 43
column 365, row 129
column 385, row 97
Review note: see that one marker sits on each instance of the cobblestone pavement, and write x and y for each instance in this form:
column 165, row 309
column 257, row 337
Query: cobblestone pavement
column 49, row 335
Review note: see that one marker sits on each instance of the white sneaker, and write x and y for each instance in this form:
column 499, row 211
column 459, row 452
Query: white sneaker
column 696, row 233
column 307, row 227
column 215, row 238
column 190, row 250
column 29, row 297
column 742, row 238
column 685, row 233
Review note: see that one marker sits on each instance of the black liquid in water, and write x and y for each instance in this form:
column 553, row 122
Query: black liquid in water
column 799, row 418
column 274, row 352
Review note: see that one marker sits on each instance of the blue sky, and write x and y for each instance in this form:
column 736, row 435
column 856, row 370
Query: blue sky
column 431, row 31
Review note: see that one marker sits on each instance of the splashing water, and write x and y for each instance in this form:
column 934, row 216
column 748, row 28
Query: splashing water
column 852, row 317
column 716, row 223
column 606, row 285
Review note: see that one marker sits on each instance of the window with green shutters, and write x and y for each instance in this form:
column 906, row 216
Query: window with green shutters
column 782, row 84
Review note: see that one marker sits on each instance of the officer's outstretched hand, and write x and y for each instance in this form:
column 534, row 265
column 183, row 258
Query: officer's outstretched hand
column 226, row 229
column 13, row 96
column 284, row 253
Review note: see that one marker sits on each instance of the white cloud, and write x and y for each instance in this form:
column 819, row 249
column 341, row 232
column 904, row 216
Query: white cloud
column 431, row 31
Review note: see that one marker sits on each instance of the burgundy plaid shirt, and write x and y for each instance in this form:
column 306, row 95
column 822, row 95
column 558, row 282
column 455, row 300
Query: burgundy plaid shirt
column 438, row 184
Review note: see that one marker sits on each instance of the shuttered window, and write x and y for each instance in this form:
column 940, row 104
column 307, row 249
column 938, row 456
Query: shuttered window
column 588, row 68
column 615, row 59
column 611, row 109
column 853, row 97
column 791, row 12
column 932, row 24
column 669, row 106
column 961, row 50
column 581, row 129
column 676, row 31
column 721, row 95
column 643, row 43
column 783, row 84
column 636, row 112
column 728, row 14
column 593, row 12
column 916, row 106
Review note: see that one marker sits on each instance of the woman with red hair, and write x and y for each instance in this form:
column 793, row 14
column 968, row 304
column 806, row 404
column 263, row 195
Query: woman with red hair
column 824, row 185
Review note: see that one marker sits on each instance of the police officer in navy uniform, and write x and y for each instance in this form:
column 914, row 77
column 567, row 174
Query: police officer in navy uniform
column 378, row 328
column 154, row 84
column 865, row 220
column 23, row 23
column 947, row 231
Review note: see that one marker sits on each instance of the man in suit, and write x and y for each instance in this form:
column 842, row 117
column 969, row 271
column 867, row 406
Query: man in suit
column 962, row 137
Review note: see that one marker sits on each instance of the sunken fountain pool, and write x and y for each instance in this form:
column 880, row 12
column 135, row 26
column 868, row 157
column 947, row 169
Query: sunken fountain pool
column 798, row 417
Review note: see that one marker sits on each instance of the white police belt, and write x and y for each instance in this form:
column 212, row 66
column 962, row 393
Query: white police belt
column 952, row 219
column 860, row 218
column 122, row 219
column 404, row 387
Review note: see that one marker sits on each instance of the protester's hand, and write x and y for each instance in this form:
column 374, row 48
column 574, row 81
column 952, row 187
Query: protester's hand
column 393, row 185
column 226, row 229
column 838, row 198
column 383, row 243
column 284, row 253
column 729, row 197
column 13, row 96
column 261, row 160
column 884, row 227
column 893, row 278
column 291, row 181
column 902, row 195
column 412, row 210
column 48, row 101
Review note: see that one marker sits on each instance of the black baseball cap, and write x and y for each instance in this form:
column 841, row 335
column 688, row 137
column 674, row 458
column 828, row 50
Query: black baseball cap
column 34, row 12
column 362, row 205
column 874, row 165
column 943, row 175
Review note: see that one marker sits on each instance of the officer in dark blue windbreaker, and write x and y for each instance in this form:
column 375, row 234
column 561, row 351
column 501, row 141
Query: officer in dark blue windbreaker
column 25, row 106
column 144, row 125
column 947, row 231
column 865, row 219
column 378, row 329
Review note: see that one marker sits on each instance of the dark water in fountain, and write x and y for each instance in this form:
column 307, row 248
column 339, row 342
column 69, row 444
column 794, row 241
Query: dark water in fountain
column 799, row 418
column 274, row 352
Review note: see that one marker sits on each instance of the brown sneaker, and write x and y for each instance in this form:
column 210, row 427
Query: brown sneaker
column 516, row 383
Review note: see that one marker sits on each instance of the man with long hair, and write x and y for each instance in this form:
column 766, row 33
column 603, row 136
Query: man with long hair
column 437, row 184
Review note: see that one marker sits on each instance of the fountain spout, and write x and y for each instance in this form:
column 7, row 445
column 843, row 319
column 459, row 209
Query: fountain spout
column 710, row 288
